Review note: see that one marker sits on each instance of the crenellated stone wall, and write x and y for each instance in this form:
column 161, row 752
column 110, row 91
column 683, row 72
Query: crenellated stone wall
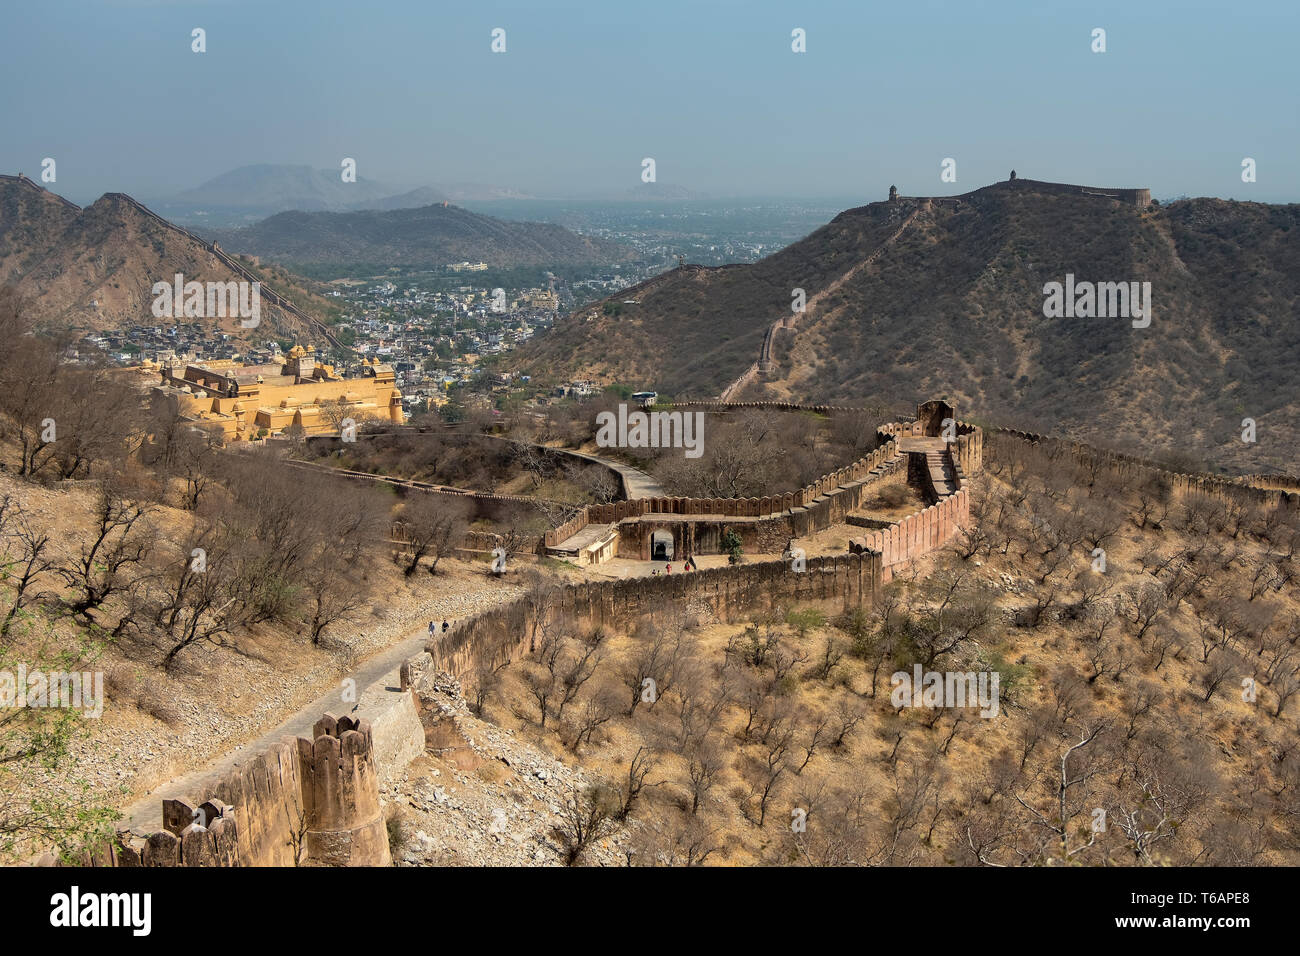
column 792, row 514
column 300, row 802
column 508, row 632
column 1249, row 489
column 917, row 534
column 340, row 795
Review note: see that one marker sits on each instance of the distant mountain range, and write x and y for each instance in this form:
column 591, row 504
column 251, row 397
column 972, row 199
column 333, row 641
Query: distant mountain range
column 83, row 270
column 430, row 236
column 917, row 298
column 250, row 193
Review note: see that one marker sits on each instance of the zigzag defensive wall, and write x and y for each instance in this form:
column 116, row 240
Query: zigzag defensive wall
column 318, row 800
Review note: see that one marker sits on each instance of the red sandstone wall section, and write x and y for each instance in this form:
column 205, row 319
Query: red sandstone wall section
column 968, row 450
column 267, row 796
column 920, row 533
column 321, row 793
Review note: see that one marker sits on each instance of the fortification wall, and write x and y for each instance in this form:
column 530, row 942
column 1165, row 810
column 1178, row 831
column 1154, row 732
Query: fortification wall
column 967, row 451
column 813, row 507
column 23, row 180
column 746, row 378
column 300, row 802
column 267, row 293
column 723, row 594
column 918, row 534
column 725, row 406
column 503, row 634
column 267, row 796
column 1243, row 490
column 789, row 320
column 340, row 795
column 330, row 443
column 1136, row 197
column 477, row 504
column 700, row 532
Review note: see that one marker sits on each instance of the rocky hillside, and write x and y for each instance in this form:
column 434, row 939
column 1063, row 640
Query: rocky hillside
column 427, row 237
column 88, row 269
column 954, row 305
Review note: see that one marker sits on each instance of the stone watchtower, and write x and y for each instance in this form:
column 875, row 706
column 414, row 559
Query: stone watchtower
column 932, row 414
column 340, row 795
column 311, row 802
column 893, row 194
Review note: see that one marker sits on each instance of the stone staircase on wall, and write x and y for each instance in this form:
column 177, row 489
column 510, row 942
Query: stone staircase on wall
column 942, row 474
column 932, row 467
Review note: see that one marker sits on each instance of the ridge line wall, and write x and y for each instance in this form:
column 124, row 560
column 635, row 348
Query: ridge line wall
column 271, row 295
column 1237, row 489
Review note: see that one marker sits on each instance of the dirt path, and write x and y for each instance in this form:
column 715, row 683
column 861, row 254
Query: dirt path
column 636, row 483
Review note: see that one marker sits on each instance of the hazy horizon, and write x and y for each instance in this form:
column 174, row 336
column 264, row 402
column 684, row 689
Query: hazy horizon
column 712, row 91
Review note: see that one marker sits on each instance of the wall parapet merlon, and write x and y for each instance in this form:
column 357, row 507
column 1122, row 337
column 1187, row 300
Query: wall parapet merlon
column 767, row 507
column 299, row 802
column 918, row 533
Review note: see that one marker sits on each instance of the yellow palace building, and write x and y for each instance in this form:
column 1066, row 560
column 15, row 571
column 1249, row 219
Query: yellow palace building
column 245, row 401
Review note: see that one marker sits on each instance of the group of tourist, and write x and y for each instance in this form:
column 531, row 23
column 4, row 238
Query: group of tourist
column 688, row 565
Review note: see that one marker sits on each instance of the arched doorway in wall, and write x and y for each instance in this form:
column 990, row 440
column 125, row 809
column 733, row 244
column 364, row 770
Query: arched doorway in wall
column 661, row 546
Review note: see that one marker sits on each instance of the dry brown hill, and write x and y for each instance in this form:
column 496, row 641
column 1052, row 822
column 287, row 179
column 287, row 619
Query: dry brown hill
column 426, row 237
column 954, row 304
column 83, row 270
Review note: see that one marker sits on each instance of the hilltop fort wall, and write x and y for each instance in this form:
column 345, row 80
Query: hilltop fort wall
column 812, row 501
column 1141, row 198
column 316, row 801
column 214, row 250
column 1134, row 197
column 726, row 594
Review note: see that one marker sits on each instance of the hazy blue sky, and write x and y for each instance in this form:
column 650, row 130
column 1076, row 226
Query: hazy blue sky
column 709, row 88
